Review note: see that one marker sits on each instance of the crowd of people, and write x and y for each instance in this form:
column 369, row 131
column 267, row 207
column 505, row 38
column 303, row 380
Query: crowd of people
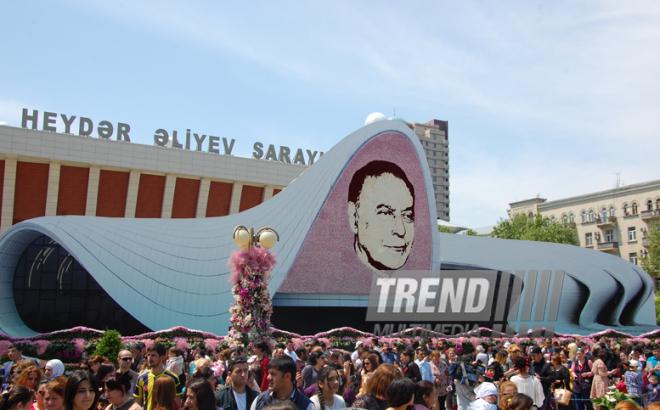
column 421, row 376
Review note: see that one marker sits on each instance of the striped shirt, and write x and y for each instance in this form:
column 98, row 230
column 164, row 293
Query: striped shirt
column 145, row 385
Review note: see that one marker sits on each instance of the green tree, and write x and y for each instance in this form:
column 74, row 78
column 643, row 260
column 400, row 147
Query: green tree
column 109, row 345
column 471, row 232
column 536, row 229
column 651, row 261
column 444, row 229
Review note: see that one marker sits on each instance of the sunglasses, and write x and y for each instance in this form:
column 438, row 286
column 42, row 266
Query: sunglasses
column 126, row 359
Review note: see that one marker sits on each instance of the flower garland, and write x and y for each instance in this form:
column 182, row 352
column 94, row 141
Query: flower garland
column 250, row 314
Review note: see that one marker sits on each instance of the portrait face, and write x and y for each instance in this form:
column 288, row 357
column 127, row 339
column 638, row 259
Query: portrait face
column 53, row 401
column 383, row 221
column 153, row 359
column 84, row 397
column 14, row 354
column 278, row 381
column 191, row 400
column 239, row 374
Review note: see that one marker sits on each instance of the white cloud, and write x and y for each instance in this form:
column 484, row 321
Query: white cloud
column 548, row 98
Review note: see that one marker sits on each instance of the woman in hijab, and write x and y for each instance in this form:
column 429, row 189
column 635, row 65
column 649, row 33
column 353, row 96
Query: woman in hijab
column 54, row 368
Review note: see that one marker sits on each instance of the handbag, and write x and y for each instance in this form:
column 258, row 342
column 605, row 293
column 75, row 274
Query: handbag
column 563, row 397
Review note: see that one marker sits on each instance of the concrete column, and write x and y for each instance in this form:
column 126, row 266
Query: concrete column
column 132, row 195
column 168, row 197
column 268, row 193
column 53, row 188
column 203, row 198
column 236, row 192
column 92, row 190
column 8, row 191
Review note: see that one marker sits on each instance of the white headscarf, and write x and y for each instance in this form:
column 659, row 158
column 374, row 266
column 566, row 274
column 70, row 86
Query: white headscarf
column 57, row 366
column 485, row 389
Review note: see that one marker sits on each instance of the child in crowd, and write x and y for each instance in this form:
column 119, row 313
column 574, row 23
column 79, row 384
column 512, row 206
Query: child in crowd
column 634, row 382
column 653, row 389
column 486, row 395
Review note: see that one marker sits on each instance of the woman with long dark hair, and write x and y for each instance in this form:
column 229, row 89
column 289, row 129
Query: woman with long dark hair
column 260, row 365
column 310, row 372
column 199, row 396
column 369, row 365
column 118, row 392
column 410, row 369
column 81, row 391
column 424, row 395
column 401, row 393
column 16, row 398
column 328, row 386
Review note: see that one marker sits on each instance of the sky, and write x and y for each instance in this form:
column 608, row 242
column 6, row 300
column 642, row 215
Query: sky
column 542, row 98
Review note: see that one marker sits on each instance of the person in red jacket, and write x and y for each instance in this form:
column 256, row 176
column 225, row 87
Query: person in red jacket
column 261, row 365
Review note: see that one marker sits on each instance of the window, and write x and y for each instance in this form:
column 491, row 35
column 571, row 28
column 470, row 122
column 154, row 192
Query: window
column 604, row 212
column 434, row 138
column 435, row 188
column 588, row 239
column 611, row 211
column 632, row 233
column 634, row 208
column 434, row 179
column 435, row 153
column 552, row 220
column 633, row 258
column 625, row 210
column 564, row 219
column 433, row 145
column 434, row 162
column 649, row 205
column 530, row 216
column 591, row 215
column 584, row 216
column 53, row 291
column 572, row 218
column 657, row 204
column 435, row 170
column 609, row 235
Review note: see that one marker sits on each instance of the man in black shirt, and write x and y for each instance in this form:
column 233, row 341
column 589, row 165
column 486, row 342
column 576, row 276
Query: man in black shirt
column 544, row 372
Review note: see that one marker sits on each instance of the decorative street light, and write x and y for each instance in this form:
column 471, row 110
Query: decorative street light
column 250, row 273
column 245, row 238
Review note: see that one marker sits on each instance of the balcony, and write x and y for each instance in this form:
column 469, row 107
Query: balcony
column 611, row 247
column 606, row 224
column 646, row 242
column 649, row 216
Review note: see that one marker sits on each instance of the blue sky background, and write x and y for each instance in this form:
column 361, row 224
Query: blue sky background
column 548, row 98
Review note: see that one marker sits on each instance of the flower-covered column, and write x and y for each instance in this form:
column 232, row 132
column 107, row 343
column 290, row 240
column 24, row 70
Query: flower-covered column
column 250, row 313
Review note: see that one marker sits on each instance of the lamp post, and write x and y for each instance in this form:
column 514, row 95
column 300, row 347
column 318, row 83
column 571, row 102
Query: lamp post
column 245, row 238
column 250, row 274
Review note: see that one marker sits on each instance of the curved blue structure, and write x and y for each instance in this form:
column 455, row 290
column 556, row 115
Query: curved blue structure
column 168, row 272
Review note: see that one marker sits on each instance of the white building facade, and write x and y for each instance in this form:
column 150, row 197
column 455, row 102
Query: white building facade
column 616, row 221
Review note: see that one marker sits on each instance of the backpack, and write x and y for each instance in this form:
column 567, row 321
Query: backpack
column 467, row 373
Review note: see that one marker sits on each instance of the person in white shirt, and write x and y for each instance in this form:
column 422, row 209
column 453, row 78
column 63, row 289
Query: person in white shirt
column 526, row 383
column 289, row 351
column 328, row 386
column 358, row 351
